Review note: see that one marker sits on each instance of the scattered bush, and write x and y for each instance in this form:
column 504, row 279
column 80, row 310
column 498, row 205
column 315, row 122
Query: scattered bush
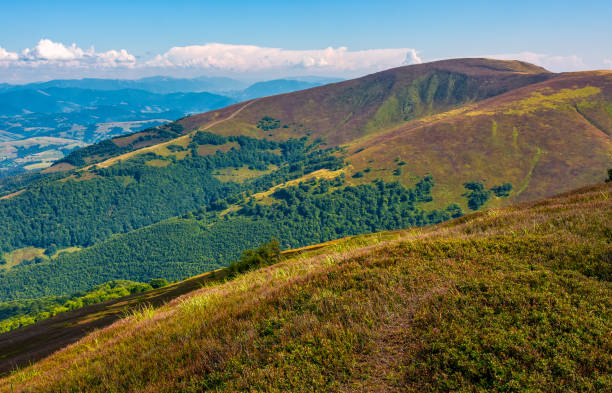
column 476, row 195
column 266, row 254
column 503, row 190
column 52, row 249
column 158, row 283
column 176, row 148
column 454, row 210
column 268, row 123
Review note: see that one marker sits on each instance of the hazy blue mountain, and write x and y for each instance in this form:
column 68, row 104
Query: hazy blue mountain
column 56, row 99
column 273, row 87
column 322, row 80
column 42, row 122
column 40, row 126
column 155, row 84
column 281, row 86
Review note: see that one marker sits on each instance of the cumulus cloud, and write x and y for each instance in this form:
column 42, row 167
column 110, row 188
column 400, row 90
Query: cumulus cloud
column 49, row 53
column 242, row 58
column 6, row 56
column 50, row 59
column 550, row 62
column 607, row 62
column 49, row 50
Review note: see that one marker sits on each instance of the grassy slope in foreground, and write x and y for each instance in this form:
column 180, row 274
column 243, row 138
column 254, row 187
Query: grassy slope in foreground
column 502, row 300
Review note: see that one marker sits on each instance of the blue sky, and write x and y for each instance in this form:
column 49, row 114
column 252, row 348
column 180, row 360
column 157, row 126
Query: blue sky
column 560, row 35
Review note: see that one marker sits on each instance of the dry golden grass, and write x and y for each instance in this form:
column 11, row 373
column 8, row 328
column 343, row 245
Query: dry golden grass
column 241, row 174
column 205, row 150
column 15, row 257
column 318, row 174
column 12, row 194
column 157, row 163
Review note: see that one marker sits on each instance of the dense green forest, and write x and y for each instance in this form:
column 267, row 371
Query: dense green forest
column 18, row 313
column 311, row 212
column 92, row 206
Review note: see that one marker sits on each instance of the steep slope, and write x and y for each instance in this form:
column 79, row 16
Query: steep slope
column 544, row 138
column 506, row 299
column 459, row 120
column 342, row 112
column 422, row 89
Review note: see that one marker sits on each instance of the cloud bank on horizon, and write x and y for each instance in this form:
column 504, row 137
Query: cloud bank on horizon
column 53, row 60
column 50, row 60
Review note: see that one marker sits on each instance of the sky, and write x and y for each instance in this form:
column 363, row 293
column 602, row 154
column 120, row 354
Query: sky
column 42, row 40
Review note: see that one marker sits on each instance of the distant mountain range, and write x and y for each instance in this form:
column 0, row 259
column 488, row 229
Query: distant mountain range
column 166, row 84
column 42, row 122
column 279, row 86
column 155, row 84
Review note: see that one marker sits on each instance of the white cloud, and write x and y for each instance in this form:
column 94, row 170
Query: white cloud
column 6, row 56
column 49, row 50
column 115, row 58
column 244, row 58
column 49, row 53
column 412, row 57
column 550, row 62
column 607, row 62
column 49, row 59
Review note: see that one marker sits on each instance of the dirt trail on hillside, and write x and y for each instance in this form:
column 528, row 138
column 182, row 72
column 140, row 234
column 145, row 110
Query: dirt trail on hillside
column 214, row 123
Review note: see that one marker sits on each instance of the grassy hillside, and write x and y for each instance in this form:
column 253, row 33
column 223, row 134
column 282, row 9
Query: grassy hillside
column 345, row 111
column 543, row 138
column 508, row 299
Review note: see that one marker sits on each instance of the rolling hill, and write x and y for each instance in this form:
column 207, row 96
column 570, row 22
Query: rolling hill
column 411, row 146
column 507, row 299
